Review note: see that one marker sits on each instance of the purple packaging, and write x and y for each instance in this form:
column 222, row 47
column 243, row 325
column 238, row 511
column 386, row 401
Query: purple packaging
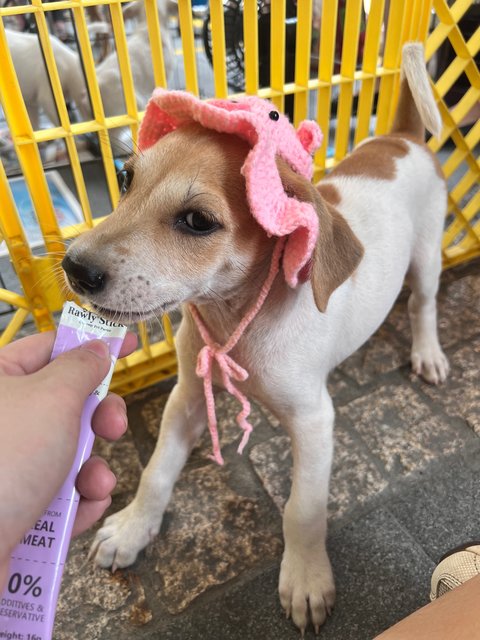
column 27, row 605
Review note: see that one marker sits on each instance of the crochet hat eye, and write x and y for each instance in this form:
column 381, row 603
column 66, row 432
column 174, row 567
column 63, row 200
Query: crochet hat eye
column 274, row 115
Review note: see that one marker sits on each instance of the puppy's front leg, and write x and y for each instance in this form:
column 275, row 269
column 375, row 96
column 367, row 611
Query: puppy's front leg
column 306, row 580
column 127, row 532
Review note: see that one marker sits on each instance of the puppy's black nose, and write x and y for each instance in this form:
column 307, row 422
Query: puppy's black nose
column 85, row 279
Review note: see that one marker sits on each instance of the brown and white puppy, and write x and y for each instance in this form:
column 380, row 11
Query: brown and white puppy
column 183, row 232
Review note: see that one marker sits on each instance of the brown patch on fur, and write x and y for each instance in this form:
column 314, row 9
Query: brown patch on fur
column 408, row 124
column 338, row 251
column 374, row 159
column 329, row 192
column 424, row 145
column 407, row 119
column 123, row 251
column 337, row 254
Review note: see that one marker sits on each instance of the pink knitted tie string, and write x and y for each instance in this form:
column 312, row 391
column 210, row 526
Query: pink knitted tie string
column 229, row 369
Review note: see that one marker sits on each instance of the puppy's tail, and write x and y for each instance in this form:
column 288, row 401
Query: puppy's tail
column 416, row 107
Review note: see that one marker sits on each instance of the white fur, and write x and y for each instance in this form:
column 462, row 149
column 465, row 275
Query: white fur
column 35, row 85
column 110, row 82
column 289, row 353
column 413, row 58
column 32, row 75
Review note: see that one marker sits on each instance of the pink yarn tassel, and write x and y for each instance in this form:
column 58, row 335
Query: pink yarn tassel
column 230, row 370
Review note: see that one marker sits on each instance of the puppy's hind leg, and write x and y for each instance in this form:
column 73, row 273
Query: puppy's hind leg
column 428, row 359
column 306, row 584
column 127, row 532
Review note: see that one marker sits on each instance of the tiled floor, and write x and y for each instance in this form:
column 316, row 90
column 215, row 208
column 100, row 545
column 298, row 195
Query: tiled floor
column 405, row 488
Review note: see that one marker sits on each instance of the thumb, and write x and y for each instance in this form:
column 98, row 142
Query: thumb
column 79, row 371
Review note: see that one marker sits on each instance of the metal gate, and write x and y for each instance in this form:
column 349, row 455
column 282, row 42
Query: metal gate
column 331, row 60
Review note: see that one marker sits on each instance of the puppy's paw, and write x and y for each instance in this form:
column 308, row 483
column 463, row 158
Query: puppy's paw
column 429, row 362
column 122, row 537
column 306, row 588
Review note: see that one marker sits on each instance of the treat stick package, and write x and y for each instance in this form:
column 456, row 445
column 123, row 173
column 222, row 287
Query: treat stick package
column 28, row 602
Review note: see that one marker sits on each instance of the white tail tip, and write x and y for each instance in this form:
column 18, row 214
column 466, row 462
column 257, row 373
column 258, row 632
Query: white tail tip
column 414, row 69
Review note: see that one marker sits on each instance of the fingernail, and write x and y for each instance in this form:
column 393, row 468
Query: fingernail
column 98, row 347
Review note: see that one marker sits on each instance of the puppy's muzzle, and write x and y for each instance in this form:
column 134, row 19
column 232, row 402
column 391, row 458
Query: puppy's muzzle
column 84, row 278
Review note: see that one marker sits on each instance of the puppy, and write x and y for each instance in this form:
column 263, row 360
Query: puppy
column 110, row 79
column 33, row 78
column 35, row 84
column 183, row 232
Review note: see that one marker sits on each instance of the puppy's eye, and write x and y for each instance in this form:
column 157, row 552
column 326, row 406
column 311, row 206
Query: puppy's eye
column 124, row 177
column 197, row 223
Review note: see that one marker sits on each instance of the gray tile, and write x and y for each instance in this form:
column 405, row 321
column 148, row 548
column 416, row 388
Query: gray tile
column 458, row 310
column 355, row 479
column 442, row 510
column 151, row 412
column 272, row 420
column 227, row 408
column 272, row 461
column 147, row 410
column 123, row 460
column 337, row 384
column 381, row 354
column 381, row 576
column 211, row 535
column 250, row 610
column 95, row 604
column 460, row 395
column 400, row 429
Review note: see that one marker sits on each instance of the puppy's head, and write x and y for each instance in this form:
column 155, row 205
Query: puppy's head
column 182, row 230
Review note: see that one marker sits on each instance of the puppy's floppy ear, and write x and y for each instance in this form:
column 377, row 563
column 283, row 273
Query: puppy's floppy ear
column 338, row 251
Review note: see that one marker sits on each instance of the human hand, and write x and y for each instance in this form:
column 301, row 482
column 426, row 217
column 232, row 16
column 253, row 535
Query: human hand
column 41, row 405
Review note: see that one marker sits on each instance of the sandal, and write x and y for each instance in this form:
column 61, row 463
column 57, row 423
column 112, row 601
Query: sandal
column 455, row 567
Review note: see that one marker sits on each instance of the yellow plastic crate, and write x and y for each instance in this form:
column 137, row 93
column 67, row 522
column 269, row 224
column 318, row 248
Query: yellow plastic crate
column 40, row 276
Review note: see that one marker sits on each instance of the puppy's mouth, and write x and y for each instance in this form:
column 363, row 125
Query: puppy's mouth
column 128, row 316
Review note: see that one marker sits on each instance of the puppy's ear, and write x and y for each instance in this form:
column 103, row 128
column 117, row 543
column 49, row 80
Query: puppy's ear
column 338, row 251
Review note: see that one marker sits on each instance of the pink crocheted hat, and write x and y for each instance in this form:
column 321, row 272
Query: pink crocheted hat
column 270, row 134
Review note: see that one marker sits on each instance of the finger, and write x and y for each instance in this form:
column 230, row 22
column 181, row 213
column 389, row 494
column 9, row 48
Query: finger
column 89, row 511
column 129, row 344
column 76, row 373
column 95, row 481
column 110, row 418
column 27, row 355
column 33, row 352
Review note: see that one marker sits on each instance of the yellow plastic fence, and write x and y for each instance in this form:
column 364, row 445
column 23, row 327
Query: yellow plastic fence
column 377, row 72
